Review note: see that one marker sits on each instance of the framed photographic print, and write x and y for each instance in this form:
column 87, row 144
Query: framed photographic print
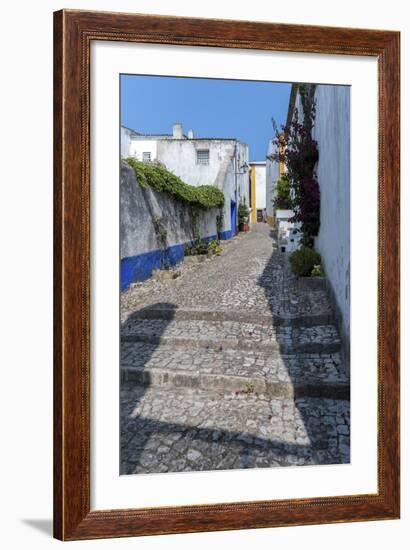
column 226, row 336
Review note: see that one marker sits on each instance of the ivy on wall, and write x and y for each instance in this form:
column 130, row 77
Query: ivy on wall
column 159, row 178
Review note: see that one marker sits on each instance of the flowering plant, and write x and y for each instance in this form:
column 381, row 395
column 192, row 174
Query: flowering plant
column 299, row 152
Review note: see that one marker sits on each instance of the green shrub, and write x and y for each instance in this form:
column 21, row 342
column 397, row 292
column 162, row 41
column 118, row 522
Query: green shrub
column 282, row 200
column 317, row 271
column 214, row 247
column 159, row 178
column 303, row 260
column 197, row 248
column 201, row 247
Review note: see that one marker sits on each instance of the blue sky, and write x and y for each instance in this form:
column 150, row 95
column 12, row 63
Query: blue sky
column 212, row 108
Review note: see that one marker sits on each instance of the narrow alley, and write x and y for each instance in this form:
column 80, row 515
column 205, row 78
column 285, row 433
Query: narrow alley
column 231, row 365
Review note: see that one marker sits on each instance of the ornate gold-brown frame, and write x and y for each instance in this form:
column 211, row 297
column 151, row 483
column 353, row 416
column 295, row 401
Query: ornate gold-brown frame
column 73, row 33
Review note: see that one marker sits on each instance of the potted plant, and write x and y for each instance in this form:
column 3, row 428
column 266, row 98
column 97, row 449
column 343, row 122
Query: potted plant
column 243, row 216
column 306, row 264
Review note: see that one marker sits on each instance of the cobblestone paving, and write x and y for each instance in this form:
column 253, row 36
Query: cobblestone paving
column 249, row 275
column 233, row 369
column 231, row 365
column 183, row 430
column 223, row 334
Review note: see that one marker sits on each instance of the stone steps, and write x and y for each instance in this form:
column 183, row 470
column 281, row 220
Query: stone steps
column 231, row 365
column 180, row 429
column 223, row 335
column 236, row 315
column 314, row 375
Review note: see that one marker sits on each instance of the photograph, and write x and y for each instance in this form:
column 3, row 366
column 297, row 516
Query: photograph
column 226, row 287
column 234, row 274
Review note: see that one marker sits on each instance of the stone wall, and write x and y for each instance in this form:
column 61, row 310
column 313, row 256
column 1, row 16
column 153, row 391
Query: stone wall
column 141, row 251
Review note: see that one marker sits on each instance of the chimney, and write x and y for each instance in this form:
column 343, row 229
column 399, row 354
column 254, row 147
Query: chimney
column 190, row 134
column 177, row 131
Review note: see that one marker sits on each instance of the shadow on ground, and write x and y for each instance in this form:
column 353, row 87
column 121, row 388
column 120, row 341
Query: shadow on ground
column 329, row 433
column 323, row 441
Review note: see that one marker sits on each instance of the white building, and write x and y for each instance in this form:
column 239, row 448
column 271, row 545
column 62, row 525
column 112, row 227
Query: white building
column 257, row 172
column 126, row 140
column 273, row 173
column 279, row 218
column 222, row 162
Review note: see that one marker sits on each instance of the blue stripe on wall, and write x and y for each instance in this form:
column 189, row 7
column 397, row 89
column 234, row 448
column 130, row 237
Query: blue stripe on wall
column 140, row 267
column 225, row 235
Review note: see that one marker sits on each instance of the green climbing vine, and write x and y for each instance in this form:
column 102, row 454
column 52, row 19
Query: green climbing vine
column 161, row 234
column 219, row 222
column 194, row 212
column 157, row 177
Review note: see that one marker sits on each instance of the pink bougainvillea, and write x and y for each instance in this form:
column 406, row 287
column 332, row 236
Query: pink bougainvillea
column 299, row 152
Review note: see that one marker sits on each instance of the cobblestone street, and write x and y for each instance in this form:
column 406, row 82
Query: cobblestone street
column 231, row 365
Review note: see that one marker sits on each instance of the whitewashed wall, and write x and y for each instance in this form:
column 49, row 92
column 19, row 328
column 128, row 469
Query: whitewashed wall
column 260, row 185
column 125, row 142
column 272, row 176
column 332, row 132
column 140, row 146
column 179, row 156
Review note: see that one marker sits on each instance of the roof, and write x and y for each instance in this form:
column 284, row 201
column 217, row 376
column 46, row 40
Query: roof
column 185, row 138
column 155, row 136
column 140, row 135
column 130, row 130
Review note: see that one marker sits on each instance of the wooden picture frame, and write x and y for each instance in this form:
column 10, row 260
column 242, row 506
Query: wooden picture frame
column 74, row 32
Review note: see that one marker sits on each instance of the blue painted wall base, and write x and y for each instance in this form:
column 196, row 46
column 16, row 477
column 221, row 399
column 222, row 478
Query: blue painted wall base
column 139, row 268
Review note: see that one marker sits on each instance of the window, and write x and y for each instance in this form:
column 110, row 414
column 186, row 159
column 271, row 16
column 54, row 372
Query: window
column 146, row 157
column 202, row 156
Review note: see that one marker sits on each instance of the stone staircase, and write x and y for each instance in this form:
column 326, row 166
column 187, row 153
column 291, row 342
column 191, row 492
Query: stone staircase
column 231, row 366
column 225, row 353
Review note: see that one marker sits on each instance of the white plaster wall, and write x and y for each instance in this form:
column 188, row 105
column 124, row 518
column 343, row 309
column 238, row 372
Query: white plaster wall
column 139, row 146
column 272, row 175
column 242, row 171
column 125, row 142
column 260, row 185
column 227, row 186
column 332, row 132
column 179, row 157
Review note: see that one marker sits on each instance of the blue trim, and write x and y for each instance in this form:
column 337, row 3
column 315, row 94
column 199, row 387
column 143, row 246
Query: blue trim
column 233, row 217
column 207, row 239
column 140, row 267
column 225, row 235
